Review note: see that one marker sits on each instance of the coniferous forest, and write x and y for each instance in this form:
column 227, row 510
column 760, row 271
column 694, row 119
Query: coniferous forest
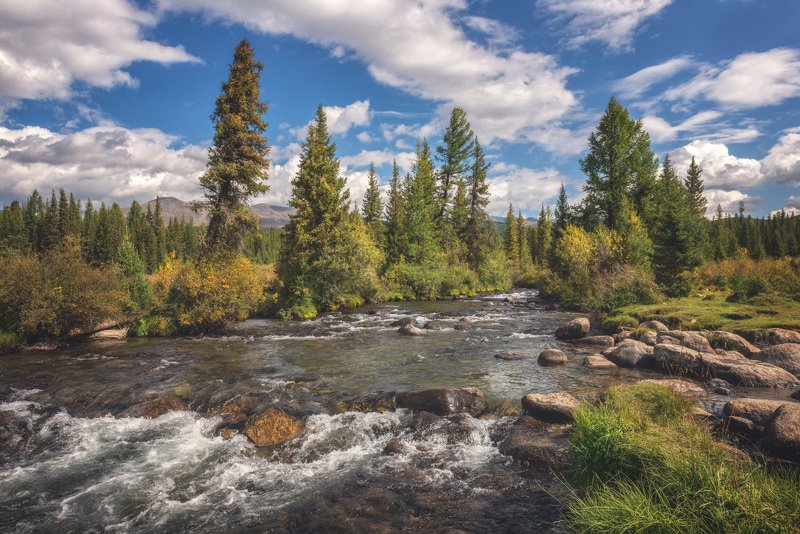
column 639, row 236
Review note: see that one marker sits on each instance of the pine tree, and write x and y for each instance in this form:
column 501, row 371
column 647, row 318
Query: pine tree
column 74, row 216
column 34, row 219
column 620, row 163
column 327, row 253
column 459, row 214
column 562, row 216
column 475, row 231
column 694, row 183
column 13, row 233
column 522, row 237
column 372, row 208
column 238, row 159
column 395, row 219
column 544, row 236
column 453, row 156
column 157, row 223
column 88, row 231
column 51, row 229
column 511, row 239
column 420, row 189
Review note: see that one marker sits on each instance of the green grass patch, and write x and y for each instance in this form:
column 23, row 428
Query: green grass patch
column 642, row 464
column 9, row 342
column 714, row 311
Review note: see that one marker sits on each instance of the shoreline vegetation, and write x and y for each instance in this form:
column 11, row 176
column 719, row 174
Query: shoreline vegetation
column 638, row 248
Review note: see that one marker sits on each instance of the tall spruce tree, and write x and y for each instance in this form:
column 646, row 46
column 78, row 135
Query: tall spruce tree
column 395, row 219
column 238, row 159
column 475, row 230
column 544, row 236
column 372, row 208
column 421, row 236
column 620, row 164
column 453, row 156
column 327, row 253
column 694, row 183
column 562, row 216
column 511, row 238
column 522, row 237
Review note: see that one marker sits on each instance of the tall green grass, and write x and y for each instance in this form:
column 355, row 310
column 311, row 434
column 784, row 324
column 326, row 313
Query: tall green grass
column 642, row 464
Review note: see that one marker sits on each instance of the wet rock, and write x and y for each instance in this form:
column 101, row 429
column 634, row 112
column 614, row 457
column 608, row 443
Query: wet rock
column 719, row 386
column 550, row 407
column 778, row 336
column 393, row 447
column 629, row 353
column 538, row 446
column 227, row 432
column 14, row 434
column 112, row 334
column 681, row 387
column 785, row 355
column 648, row 337
column 575, row 329
column 271, row 427
column 236, row 405
column 759, row 411
column 658, row 326
column 596, row 362
column 688, row 339
column 551, row 357
column 595, row 342
column 410, row 330
column 405, row 321
column 796, row 394
column 374, row 402
column 741, row 426
column 46, row 346
column 512, row 356
column 463, row 325
column 436, row 325
column 719, row 339
column 443, row 401
column 782, row 433
column 155, row 408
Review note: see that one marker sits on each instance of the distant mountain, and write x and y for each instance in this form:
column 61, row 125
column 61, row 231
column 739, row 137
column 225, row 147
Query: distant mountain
column 269, row 216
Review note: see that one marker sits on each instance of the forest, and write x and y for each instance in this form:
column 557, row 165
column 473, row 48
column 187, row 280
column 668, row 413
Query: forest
column 639, row 236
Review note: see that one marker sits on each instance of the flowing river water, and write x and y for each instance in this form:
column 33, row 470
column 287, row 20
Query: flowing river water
column 75, row 461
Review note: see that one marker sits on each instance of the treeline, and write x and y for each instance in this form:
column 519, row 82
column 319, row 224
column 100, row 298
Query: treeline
column 641, row 229
column 40, row 226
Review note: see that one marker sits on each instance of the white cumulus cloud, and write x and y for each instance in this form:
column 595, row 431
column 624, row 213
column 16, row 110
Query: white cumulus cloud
column 782, row 163
column 721, row 170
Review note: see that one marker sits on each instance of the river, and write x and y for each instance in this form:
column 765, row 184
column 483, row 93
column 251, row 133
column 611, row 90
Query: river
column 76, row 463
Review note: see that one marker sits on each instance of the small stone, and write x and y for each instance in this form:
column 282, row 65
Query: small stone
column 393, row 447
column 596, row 362
column 411, row 330
column 551, row 357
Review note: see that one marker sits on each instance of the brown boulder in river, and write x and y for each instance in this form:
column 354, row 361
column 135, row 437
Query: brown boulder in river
column 575, row 329
column 442, row 401
column 272, row 426
column 782, row 433
column 550, row 357
column 550, row 407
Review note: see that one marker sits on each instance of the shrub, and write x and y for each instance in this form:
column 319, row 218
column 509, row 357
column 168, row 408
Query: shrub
column 206, row 295
column 57, row 293
column 9, row 342
column 154, row 326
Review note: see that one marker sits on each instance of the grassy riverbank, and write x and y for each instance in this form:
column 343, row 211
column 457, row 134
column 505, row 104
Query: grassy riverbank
column 713, row 311
column 642, row 463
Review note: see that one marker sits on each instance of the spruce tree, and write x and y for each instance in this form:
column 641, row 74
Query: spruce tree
column 157, row 223
column 238, row 159
column 420, row 206
column 395, row 219
column 620, row 164
column 327, row 253
column 544, row 236
column 562, row 216
column 372, row 208
column 694, row 183
column 13, row 233
column 522, row 237
column 475, row 231
column 511, row 239
column 34, row 216
column 453, row 157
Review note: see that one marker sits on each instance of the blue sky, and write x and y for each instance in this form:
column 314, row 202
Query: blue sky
column 111, row 99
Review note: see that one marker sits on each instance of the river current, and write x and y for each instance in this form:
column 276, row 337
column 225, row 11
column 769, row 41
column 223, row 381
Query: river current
column 74, row 461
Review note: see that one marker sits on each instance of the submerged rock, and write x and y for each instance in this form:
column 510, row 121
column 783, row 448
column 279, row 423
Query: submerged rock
column 596, row 362
column 630, row 353
column 374, row 402
column 681, row 387
column 443, row 401
column 512, row 356
column 785, row 355
column 550, row 407
column 782, row 433
column 575, row 329
column 271, row 427
column 551, row 357
column 411, row 330
column 688, row 339
column 538, row 446
column 595, row 342
column 720, row 339
column 155, row 408
column 759, row 411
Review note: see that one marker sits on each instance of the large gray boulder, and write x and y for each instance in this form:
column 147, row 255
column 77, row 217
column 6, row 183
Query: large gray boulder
column 786, row 356
column 782, row 433
column 738, row 371
column 445, row 401
column 778, row 336
column 720, row 339
column 550, row 407
column 629, row 353
column 658, row 326
column 575, row 329
column 759, row 411
column 538, row 446
column 551, row 357
column 688, row 339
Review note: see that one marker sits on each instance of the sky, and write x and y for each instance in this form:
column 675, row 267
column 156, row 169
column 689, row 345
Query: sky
column 111, row 99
